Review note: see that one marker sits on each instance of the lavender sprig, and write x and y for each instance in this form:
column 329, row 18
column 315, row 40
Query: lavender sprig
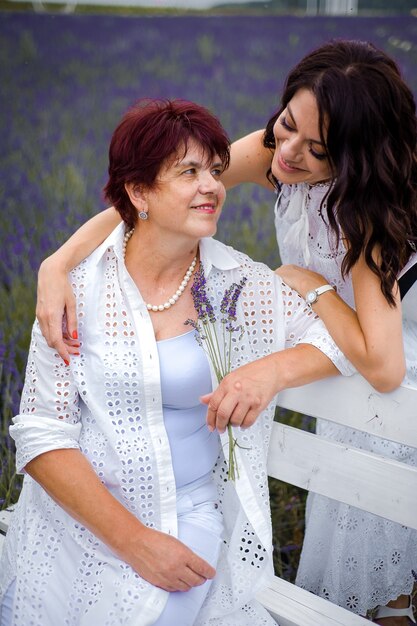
column 219, row 352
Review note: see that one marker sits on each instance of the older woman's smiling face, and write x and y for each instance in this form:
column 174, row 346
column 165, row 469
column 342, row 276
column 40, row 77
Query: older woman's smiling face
column 188, row 197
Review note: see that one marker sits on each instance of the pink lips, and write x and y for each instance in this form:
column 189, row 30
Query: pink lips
column 284, row 166
column 205, row 208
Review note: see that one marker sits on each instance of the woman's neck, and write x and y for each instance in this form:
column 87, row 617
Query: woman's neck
column 159, row 258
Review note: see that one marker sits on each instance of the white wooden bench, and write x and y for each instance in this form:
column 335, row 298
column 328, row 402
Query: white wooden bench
column 368, row 481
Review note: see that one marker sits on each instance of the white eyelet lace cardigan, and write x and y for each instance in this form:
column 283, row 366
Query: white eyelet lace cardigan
column 108, row 404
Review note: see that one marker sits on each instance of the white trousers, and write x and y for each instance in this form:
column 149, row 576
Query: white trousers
column 7, row 606
column 200, row 528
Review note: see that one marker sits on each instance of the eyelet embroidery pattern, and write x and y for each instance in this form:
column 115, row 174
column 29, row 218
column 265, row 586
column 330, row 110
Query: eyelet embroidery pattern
column 120, row 444
column 245, row 551
column 325, row 255
column 251, row 556
column 358, row 529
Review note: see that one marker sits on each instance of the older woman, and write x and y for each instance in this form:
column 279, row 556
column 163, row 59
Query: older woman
column 126, row 510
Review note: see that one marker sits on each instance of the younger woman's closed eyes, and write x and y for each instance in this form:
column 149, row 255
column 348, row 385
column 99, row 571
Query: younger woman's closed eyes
column 317, row 155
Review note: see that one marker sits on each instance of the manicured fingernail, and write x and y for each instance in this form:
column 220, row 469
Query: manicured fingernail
column 66, row 362
column 74, row 334
column 76, row 354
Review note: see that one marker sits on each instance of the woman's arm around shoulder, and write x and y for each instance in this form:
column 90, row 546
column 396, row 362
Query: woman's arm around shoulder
column 55, row 300
column 249, row 162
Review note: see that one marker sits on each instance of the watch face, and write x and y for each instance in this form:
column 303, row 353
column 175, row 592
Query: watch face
column 311, row 296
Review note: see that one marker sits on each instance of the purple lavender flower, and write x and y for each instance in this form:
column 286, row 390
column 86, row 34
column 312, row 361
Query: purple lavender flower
column 202, row 304
column 230, row 298
column 218, row 351
column 192, row 323
column 226, row 300
column 237, row 289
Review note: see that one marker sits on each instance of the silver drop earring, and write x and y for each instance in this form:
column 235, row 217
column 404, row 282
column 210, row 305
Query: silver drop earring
column 143, row 215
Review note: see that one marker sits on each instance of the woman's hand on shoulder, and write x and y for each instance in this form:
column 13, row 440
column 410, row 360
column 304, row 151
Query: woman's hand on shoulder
column 300, row 278
column 166, row 562
column 56, row 310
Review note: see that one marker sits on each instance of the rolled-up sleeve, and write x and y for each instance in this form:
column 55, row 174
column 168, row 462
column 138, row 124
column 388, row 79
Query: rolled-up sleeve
column 49, row 416
column 302, row 325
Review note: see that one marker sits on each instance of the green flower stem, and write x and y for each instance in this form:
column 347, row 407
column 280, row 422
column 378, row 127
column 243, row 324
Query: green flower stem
column 218, row 352
column 213, row 349
column 233, row 471
column 229, row 362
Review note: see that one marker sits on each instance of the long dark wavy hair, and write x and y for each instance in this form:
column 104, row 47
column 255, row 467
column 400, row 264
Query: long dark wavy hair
column 367, row 118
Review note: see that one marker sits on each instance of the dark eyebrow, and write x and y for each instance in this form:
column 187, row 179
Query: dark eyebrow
column 312, row 140
column 196, row 164
column 181, row 164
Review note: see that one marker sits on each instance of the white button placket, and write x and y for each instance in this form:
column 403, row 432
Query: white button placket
column 152, row 386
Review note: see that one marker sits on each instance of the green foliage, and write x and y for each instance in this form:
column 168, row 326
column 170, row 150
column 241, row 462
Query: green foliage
column 207, row 48
column 251, row 7
column 17, row 305
column 288, row 508
column 287, row 511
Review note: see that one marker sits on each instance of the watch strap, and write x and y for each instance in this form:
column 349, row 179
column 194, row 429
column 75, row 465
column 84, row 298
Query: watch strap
column 323, row 289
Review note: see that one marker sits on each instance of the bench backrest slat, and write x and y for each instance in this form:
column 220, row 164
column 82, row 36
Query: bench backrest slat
column 377, row 484
column 292, row 606
column 353, row 402
column 359, row 478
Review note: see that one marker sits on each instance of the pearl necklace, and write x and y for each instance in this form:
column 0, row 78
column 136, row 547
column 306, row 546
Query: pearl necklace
column 173, row 299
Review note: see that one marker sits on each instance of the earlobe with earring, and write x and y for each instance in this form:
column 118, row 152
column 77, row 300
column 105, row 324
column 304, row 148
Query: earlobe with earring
column 143, row 215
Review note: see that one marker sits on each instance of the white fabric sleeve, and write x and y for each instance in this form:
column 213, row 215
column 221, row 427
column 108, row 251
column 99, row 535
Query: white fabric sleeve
column 302, row 325
column 49, row 416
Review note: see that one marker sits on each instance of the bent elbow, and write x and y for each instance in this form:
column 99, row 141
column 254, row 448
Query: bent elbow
column 386, row 381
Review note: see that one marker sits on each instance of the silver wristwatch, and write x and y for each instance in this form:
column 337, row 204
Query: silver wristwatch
column 313, row 295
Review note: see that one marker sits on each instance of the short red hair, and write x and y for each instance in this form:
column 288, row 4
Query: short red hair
column 151, row 132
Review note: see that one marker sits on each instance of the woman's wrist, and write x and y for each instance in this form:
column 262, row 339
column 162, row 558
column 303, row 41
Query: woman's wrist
column 131, row 540
column 314, row 294
column 56, row 263
column 310, row 283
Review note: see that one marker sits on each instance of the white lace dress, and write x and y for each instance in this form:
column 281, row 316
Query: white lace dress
column 350, row 557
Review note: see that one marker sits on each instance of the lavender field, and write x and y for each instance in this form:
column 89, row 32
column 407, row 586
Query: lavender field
column 64, row 83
